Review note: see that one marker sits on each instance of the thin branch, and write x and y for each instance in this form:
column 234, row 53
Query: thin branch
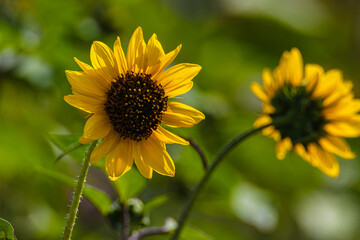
column 72, row 148
column 200, row 152
column 195, row 192
column 169, row 226
column 125, row 222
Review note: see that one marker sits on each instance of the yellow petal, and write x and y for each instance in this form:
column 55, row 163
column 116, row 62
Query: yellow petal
column 325, row 161
column 182, row 89
column 291, row 67
column 155, row 155
column 85, row 103
column 177, row 120
column 269, row 83
column 313, row 73
column 132, row 51
column 104, row 147
column 178, row 75
column 327, row 84
column 84, row 140
column 259, row 92
column 282, row 147
column 120, row 160
column 82, row 84
column 186, row 110
column 337, row 146
column 164, row 61
column 97, row 127
column 141, row 165
column 262, row 121
column 300, row 150
column 120, row 57
column 104, row 61
column 167, row 137
column 343, row 129
column 97, row 80
column 154, row 51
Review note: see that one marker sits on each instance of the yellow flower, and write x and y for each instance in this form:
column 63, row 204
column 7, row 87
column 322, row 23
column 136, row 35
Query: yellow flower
column 128, row 99
column 309, row 113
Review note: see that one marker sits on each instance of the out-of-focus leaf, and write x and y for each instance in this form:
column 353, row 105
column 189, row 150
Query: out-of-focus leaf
column 194, row 233
column 6, row 230
column 155, row 202
column 68, row 144
column 97, row 197
column 129, row 185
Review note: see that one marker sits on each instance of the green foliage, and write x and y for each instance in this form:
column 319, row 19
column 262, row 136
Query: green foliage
column 6, row 230
column 97, row 197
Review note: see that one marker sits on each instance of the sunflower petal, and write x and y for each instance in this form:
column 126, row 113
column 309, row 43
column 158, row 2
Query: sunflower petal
column 120, row 57
column 82, row 84
column 167, row 137
column 154, row 51
column 120, row 160
column 164, row 61
column 282, row 147
column 291, row 67
column 178, row 75
column 97, row 127
column 259, row 91
column 142, row 166
column 84, row 140
column 104, row 147
column 325, row 161
column 156, row 156
column 132, row 50
column 343, row 129
column 85, row 103
column 186, row 110
column 172, row 119
column 337, row 146
column 313, row 73
column 104, row 61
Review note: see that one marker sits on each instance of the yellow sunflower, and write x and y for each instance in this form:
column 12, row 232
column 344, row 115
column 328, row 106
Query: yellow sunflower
column 309, row 112
column 128, row 98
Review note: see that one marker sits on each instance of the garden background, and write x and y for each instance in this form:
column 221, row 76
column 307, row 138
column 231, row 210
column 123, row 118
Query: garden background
column 252, row 195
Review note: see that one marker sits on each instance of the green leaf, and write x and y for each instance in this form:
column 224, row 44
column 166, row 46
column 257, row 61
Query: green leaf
column 6, row 230
column 129, row 185
column 97, row 197
column 68, row 144
column 155, row 202
column 194, row 233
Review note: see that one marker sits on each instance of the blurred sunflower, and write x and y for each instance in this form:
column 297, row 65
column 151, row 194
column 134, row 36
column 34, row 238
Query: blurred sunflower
column 308, row 114
column 128, row 99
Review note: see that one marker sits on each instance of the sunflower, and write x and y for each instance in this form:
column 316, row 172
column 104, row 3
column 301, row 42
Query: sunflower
column 309, row 113
column 129, row 99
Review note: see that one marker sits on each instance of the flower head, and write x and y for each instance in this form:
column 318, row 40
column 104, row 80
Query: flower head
column 309, row 113
column 129, row 98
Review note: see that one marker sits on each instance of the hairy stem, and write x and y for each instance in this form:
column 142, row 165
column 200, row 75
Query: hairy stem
column 195, row 192
column 78, row 193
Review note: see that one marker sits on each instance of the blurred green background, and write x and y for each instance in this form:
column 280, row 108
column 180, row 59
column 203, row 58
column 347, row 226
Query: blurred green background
column 252, row 195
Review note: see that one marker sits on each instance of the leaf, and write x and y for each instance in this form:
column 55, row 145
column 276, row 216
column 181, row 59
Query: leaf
column 97, row 197
column 129, row 185
column 6, row 230
column 68, row 144
column 194, row 233
column 155, row 202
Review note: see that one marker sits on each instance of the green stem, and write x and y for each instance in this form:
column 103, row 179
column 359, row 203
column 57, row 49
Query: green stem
column 78, row 192
column 195, row 192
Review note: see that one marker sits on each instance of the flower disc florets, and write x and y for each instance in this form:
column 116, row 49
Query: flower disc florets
column 301, row 113
column 135, row 104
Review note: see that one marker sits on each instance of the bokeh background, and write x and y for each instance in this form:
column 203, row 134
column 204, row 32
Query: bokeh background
column 252, row 195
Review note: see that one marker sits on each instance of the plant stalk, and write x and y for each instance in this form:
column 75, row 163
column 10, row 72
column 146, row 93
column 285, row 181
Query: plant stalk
column 78, row 193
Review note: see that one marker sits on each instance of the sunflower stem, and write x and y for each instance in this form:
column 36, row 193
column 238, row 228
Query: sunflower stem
column 195, row 192
column 78, row 193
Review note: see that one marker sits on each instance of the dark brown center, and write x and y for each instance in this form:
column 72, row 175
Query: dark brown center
column 135, row 105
